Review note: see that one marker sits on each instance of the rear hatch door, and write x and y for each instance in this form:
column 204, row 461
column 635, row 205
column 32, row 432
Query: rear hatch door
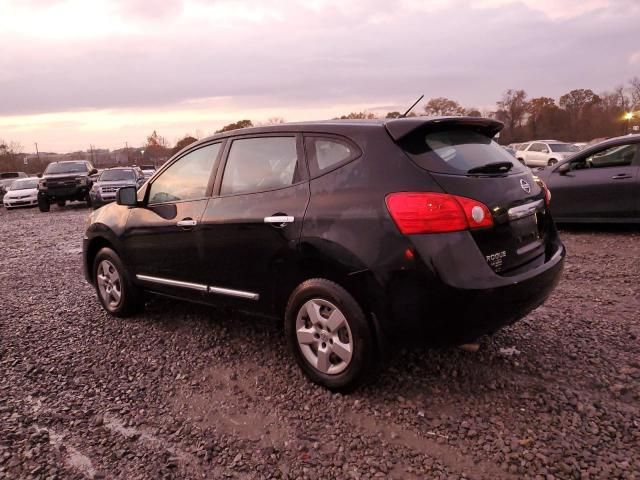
column 464, row 160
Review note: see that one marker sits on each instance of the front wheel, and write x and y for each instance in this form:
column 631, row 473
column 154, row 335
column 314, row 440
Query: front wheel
column 43, row 204
column 329, row 335
column 552, row 161
column 116, row 292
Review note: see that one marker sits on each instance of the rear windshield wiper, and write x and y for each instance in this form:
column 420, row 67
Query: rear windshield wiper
column 495, row 167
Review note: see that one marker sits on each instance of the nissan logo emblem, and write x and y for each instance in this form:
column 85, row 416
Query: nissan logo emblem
column 525, row 186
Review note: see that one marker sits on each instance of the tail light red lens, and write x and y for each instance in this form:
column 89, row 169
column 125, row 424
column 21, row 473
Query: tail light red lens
column 543, row 186
column 426, row 212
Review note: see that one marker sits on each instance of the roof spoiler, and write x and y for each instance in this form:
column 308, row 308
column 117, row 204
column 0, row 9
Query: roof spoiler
column 400, row 128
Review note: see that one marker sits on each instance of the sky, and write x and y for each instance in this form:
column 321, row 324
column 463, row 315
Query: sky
column 75, row 73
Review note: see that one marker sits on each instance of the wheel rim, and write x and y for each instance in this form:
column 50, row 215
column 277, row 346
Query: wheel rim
column 324, row 336
column 109, row 284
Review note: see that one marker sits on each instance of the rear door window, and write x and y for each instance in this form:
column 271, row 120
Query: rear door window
column 457, row 151
column 261, row 163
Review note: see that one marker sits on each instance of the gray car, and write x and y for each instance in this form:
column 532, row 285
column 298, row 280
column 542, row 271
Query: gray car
column 111, row 180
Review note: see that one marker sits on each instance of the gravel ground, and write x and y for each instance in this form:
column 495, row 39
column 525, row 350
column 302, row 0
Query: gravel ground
column 183, row 391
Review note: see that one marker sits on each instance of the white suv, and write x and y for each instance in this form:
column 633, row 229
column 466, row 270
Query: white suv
column 542, row 153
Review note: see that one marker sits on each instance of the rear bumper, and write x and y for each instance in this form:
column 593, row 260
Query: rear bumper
column 457, row 298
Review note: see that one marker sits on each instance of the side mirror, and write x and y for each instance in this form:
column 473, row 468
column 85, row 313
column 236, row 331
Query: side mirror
column 564, row 168
column 127, row 196
column 39, row 175
column 93, row 171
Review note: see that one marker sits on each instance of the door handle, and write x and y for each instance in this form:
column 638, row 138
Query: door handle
column 187, row 223
column 279, row 220
column 621, row 176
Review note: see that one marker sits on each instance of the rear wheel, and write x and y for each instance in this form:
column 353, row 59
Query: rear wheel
column 329, row 335
column 116, row 292
column 43, row 204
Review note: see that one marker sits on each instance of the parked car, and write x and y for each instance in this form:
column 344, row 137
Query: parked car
column 110, row 181
column 7, row 178
column 356, row 233
column 23, row 192
column 148, row 171
column 599, row 184
column 65, row 181
column 545, row 152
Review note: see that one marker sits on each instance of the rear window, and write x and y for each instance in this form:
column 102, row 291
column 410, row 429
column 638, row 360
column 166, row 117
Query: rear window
column 10, row 175
column 456, row 151
column 563, row 147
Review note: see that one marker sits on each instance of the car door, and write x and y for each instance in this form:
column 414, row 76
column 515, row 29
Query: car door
column 534, row 156
column 252, row 227
column 601, row 185
column 161, row 237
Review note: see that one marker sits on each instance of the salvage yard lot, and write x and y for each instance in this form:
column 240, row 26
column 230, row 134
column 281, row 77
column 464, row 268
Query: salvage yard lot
column 183, row 391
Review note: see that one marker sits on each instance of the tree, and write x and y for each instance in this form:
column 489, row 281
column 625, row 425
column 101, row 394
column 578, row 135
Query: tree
column 634, row 88
column 442, row 107
column 358, row 116
column 156, row 147
column 183, row 142
column 537, row 108
column 235, row 126
column 578, row 104
column 11, row 157
column 274, row 121
column 472, row 112
column 393, row 115
column 511, row 110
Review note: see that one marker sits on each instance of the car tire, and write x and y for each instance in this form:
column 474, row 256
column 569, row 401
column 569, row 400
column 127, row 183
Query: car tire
column 552, row 161
column 329, row 336
column 43, row 204
column 117, row 294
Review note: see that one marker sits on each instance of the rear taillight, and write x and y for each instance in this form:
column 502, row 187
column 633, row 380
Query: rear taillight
column 425, row 212
column 545, row 189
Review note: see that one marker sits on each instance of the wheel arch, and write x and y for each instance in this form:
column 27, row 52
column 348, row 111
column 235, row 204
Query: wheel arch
column 94, row 243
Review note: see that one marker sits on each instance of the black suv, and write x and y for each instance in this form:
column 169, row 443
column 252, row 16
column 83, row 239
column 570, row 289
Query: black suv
column 62, row 181
column 355, row 232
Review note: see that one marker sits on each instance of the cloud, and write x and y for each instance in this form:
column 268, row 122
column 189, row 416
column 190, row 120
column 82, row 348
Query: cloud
column 132, row 56
column 634, row 58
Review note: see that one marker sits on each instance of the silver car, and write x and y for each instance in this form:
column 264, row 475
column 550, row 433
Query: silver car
column 111, row 180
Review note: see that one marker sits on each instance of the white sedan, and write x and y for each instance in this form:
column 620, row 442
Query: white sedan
column 22, row 193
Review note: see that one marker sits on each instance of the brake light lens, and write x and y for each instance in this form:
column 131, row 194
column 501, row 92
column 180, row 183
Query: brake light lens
column 426, row 212
column 543, row 186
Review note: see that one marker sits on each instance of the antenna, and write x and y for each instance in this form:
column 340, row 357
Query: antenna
column 411, row 107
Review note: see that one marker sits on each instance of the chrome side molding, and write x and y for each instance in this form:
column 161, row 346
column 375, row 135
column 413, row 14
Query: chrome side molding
column 199, row 287
column 234, row 293
column 172, row 283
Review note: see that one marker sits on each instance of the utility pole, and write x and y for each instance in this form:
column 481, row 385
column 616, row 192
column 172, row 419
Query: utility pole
column 92, row 157
column 37, row 152
column 126, row 146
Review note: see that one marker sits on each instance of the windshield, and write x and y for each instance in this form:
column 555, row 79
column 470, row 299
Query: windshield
column 67, row 167
column 563, row 147
column 24, row 184
column 116, row 175
column 456, row 151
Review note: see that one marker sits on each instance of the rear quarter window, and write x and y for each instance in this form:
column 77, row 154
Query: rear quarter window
column 327, row 153
column 456, row 151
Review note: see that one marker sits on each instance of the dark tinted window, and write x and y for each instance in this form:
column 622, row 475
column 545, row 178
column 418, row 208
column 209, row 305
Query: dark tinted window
column 117, row 175
column 457, row 151
column 256, row 164
column 563, row 147
column 67, row 167
column 612, row 157
column 10, row 175
column 325, row 153
column 187, row 178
